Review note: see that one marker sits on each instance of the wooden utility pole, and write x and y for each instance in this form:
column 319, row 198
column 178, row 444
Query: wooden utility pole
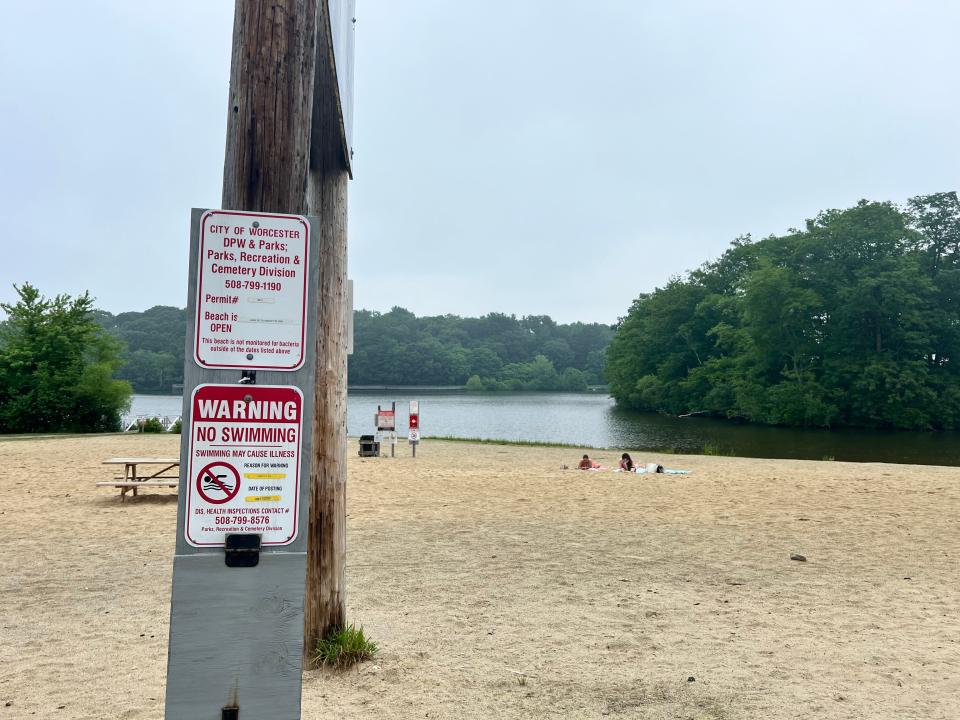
column 286, row 153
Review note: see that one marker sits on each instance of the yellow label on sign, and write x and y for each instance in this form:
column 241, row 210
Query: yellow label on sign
column 264, row 476
column 262, row 498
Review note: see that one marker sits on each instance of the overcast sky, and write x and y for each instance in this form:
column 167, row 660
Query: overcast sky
column 525, row 157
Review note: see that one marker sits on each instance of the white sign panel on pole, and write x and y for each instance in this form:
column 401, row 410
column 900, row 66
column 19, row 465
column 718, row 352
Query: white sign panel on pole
column 251, row 290
column 244, row 463
column 386, row 420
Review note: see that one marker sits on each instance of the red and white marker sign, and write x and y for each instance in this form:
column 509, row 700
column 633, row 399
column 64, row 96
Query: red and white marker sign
column 386, row 420
column 244, row 463
column 251, row 290
column 414, row 423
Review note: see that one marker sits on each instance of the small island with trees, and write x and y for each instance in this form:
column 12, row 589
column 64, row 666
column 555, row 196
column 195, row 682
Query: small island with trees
column 853, row 320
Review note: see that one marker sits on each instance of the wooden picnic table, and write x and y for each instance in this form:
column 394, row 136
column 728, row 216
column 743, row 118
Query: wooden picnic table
column 147, row 476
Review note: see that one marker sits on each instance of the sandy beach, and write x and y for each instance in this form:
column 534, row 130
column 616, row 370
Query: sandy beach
column 499, row 585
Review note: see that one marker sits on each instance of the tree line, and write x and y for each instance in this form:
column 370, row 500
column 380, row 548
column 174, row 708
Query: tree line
column 853, row 320
column 493, row 352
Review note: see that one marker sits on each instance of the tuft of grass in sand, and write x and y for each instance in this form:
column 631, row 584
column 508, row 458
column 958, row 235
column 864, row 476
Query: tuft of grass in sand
column 152, row 425
column 344, row 647
column 711, row 449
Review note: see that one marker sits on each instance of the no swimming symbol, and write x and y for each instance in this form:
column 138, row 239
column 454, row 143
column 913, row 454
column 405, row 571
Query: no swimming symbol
column 218, row 483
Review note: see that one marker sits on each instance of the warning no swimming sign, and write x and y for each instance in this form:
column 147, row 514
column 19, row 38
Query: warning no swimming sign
column 244, row 463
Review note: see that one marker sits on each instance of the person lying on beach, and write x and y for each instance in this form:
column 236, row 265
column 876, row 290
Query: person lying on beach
column 627, row 465
column 658, row 468
column 587, row 464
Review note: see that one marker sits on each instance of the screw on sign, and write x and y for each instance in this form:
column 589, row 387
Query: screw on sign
column 218, row 483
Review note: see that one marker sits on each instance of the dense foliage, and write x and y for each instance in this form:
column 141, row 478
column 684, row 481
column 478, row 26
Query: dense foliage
column 493, row 352
column 397, row 348
column 153, row 346
column 854, row 320
column 57, row 366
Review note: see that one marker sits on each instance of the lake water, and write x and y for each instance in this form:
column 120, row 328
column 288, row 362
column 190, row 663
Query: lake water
column 592, row 420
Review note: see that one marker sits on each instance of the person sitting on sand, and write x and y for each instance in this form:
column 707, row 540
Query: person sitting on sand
column 626, row 463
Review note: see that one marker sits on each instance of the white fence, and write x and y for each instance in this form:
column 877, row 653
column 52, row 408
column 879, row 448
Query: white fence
column 133, row 423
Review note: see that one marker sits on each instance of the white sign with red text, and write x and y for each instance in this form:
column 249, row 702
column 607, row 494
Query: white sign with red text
column 386, row 420
column 251, row 290
column 244, row 463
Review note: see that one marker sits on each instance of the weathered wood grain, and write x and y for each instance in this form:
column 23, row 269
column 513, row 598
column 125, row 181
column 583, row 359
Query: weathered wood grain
column 271, row 106
column 327, row 197
column 285, row 153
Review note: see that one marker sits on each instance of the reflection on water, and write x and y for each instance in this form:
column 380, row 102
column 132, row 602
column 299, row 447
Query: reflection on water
column 855, row 445
column 594, row 421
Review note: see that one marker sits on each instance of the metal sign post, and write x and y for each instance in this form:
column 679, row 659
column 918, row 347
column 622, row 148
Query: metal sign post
column 413, row 435
column 386, row 423
column 236, row 615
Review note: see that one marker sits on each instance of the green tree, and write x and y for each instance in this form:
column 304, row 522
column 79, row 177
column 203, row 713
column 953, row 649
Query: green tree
column 937, row 218
column 154, row 346
column 573, row 380
column 853, row 320
column 57, row 366
column 663, row 336
column 485, row 362
column 559, row 353
column 151, row 372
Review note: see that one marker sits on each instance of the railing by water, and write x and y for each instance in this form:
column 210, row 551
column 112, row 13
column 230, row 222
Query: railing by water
column 134, row 423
